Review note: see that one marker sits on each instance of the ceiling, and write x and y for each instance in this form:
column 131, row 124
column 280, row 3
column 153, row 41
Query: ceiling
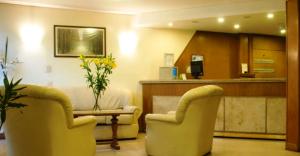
column 183, row 13
column 257, row 23
column 127, row 6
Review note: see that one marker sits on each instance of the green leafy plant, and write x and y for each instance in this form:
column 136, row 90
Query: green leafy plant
column 7, row 100
column 97, row 71
column 11, row 92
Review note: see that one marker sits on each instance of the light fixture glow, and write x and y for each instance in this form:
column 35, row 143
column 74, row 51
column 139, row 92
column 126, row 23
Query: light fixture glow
column 221, row 20
column 236, row 26
column 282, row 31
column 170, row 24
column 128, row 42
column 31, row 35
column 270, row 15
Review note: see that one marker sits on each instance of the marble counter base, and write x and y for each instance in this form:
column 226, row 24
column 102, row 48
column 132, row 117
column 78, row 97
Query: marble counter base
column 259, row 115
column 245, row 114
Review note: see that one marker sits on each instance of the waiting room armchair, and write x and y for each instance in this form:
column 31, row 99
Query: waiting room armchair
column 188, row 131
column 45, row 127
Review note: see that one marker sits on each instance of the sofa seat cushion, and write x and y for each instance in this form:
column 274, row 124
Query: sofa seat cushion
column 114, row 98
column 125, row 119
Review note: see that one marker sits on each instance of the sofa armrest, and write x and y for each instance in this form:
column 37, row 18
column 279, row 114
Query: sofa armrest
column 136, row 112
column 129, row 108
column 171, row 112
column 161, row 117
column 84, row 120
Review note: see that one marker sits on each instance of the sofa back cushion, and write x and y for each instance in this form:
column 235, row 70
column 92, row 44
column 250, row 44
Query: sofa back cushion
column 114, row 98
column 82, row 98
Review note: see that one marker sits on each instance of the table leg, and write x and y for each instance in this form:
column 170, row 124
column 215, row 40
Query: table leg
column 114, row 126
column 2, row 136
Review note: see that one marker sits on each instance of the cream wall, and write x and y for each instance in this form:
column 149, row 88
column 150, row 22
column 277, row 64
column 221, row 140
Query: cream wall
column 143, row 64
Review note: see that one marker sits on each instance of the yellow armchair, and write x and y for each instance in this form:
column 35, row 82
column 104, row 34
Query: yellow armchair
column 45, row 127
column 188, row 131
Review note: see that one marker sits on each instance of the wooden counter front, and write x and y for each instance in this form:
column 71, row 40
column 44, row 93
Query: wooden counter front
column 274, row 87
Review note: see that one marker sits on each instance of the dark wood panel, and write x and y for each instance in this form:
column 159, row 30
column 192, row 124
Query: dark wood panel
column 273, row 43
column 182, row 62
column 224, row 52
column 293, row 118
column 250, row 46
column 230, row 89
column 243, row 51
column 269, row 48
column 220, row 52
column 279, row 66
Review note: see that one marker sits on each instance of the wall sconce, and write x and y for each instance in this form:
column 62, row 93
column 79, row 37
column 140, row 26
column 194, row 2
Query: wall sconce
column 127, row 42
column 31, row 35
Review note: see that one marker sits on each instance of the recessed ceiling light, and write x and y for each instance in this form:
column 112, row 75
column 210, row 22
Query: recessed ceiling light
column 270, row 15
column 282, row 31
column 236, row 26
column 170, row 24
column 221, row 20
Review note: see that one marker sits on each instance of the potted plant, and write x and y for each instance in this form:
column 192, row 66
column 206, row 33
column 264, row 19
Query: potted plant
column 10, row 92
column 7, row 99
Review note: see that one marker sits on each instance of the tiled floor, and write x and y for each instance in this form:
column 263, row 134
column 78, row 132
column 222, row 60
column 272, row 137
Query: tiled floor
column 221, row 147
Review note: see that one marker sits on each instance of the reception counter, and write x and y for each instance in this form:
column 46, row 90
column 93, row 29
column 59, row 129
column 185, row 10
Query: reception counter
column 251, row 107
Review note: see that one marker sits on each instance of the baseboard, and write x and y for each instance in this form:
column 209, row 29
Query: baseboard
column 250, row 135
column 2, row 136
column 292, row 147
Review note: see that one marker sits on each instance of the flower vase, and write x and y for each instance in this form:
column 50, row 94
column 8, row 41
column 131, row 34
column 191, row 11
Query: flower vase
column 96, row 105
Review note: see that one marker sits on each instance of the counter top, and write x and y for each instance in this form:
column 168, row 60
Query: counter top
column 239, row 80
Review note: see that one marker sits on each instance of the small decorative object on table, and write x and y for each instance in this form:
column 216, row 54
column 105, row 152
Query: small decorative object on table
column 11, row 89
column 97, row 71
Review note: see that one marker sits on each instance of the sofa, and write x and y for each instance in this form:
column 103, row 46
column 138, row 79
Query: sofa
column 113, row 99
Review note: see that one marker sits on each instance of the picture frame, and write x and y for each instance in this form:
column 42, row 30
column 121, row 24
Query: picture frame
column 197, row 58
column 169, row 59
column 72, row 41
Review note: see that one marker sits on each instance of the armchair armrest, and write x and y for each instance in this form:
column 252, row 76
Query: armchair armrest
column 161, row 117
column 84, row 120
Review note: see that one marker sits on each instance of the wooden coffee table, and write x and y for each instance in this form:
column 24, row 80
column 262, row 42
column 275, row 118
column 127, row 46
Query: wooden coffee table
column 114, row 122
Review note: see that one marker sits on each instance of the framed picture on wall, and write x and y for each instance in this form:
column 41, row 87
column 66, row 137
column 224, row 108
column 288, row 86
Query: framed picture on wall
column 71, row 41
